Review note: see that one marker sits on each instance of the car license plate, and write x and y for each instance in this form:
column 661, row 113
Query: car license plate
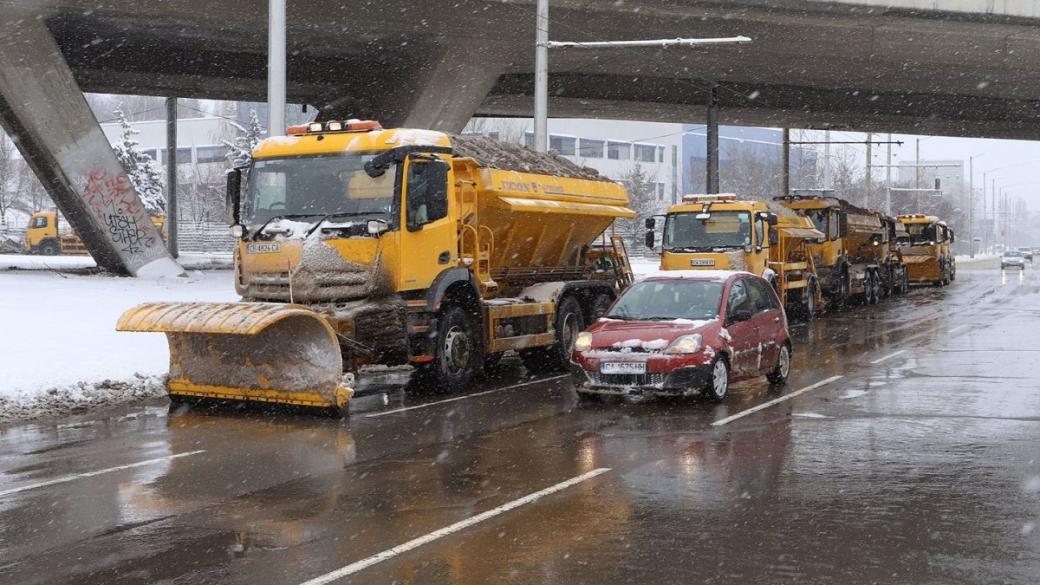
column 263, row 248
column 702, row 262
column 622, row 368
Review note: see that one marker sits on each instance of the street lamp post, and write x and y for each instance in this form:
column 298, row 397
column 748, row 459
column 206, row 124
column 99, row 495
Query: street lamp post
column 541, row 73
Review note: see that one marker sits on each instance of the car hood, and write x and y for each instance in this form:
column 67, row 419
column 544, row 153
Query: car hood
column 644, row 335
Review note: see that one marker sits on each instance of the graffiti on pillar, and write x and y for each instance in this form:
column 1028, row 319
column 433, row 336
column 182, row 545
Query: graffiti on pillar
column 115, row 204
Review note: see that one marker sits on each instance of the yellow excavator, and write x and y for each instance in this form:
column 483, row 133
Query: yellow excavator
column 359, row 245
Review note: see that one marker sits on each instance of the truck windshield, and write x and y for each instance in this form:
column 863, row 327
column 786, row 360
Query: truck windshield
column 922, row 234
column 724, row 229
column 318, row 186
column 669, row 299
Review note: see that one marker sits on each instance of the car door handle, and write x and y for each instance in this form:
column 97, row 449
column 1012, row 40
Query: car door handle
column 444, row 257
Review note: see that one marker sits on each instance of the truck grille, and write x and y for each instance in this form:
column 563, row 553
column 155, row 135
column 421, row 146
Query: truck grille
column 306, row 286
column 622, row 380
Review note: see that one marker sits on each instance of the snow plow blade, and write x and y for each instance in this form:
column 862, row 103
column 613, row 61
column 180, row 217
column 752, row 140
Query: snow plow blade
column 254, row 352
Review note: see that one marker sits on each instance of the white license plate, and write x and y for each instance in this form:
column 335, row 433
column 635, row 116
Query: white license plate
column 702, row 262
column 622, row 368
column 263, row 248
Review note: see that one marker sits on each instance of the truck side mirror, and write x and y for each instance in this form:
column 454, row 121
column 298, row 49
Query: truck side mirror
column 234, row 195
column 771, row 219
column 648, row 238
column 650, row 223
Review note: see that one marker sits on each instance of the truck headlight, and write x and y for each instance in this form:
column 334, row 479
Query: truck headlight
column 238, row 231
column 583, row 342
column 685, row 344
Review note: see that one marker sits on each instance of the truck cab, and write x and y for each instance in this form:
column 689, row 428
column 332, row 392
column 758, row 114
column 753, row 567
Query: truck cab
column 926, row 249
column 716, row 232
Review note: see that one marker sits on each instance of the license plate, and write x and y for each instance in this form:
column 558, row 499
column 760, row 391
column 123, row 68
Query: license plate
column 622, row 368
column 702, row 262
column 263, row 248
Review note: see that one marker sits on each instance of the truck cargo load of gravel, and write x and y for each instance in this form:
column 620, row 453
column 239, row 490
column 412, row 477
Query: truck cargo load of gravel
column 514, row 157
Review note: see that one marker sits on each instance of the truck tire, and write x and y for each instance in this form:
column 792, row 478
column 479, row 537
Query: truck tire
column 49, row 248
column 458, row 353
column 569, row 323
column 904, row 287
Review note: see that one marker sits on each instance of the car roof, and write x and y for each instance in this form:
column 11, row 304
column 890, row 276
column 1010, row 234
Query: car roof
column 716, row 275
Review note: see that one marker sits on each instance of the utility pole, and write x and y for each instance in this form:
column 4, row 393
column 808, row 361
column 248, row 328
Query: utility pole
column 787, row 161
column 826, row 159
column 971, row 206
column 276, row 67
column 171, row 175
column 541, row 77
column 712, row 141
column 870, row 170
column 917, row 171
column 888, row 177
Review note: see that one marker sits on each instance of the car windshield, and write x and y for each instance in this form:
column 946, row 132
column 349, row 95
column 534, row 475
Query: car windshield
column 317, row 186
column 1012, row 254
column 723, row 229
column 669, row 299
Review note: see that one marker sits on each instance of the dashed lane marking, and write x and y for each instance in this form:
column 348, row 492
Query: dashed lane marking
column 451, row 529
column 888, row 357
column 766, row 405
column 474, row 395
column 68, row 478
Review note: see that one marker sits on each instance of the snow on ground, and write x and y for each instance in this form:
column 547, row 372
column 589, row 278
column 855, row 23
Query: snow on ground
column 59, row 350
column 27, row 262
column 977, row 258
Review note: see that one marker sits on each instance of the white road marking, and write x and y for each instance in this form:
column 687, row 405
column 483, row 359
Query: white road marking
column 889, row 356
column 957, row 328
column 474, row 395
column 68, row 478
column 765, row 405
column 448, row 530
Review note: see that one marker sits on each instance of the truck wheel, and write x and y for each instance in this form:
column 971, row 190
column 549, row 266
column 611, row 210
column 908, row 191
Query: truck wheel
column 778, row 377
column 458, row 350
column 718, row 384
column 875, row 280
column 904, row 288
column 569, row 323
column 49, row 248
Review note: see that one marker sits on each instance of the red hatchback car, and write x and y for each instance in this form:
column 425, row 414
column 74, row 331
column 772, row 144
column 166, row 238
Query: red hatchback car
column 683, row 334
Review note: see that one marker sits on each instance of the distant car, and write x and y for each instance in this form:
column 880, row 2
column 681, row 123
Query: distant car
column 683, row 334
column 1027, row 252
column 1012, row 258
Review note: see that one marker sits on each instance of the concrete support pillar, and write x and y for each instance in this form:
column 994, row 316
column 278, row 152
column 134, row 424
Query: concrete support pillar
column 453, row 88
column 712, row 139
column 172, row 214
column 786, row 187
column 43, row 110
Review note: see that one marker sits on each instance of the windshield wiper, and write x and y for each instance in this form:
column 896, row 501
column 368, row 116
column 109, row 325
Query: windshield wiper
column 260, row 229
column 340, row 214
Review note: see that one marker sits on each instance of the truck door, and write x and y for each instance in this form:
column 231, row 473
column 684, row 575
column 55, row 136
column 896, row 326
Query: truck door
column 428, row 239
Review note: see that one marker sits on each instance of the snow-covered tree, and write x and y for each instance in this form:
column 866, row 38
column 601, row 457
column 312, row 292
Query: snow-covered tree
column 240, row 150
column 142, row 171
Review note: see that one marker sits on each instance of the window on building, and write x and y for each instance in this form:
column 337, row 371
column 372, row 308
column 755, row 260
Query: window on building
column 150, row 153
column 529, row 140
column 646, row 153
column 590, row 148
column 183, row 155
column 619, row 150
column 210, row 154
column 660, row 191
column 564, row 145
column 660, row 154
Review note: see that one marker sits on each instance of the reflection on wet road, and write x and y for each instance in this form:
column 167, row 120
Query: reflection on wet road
column 908, row 453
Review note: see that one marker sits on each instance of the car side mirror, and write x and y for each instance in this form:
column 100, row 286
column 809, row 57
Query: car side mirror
column 234, row 195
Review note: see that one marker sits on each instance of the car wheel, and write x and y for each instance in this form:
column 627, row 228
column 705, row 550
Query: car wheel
column 778, row 376
column 718, row 384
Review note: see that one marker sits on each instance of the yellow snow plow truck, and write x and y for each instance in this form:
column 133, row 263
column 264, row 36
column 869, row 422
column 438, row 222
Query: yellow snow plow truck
column 359, row 245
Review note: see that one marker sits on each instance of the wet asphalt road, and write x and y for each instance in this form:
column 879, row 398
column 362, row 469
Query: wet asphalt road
column 923, row 467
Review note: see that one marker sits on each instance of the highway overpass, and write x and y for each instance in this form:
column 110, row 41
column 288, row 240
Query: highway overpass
column 955, row 67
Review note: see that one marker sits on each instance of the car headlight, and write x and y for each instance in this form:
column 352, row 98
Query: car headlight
column 583, row 342
column 685, row 344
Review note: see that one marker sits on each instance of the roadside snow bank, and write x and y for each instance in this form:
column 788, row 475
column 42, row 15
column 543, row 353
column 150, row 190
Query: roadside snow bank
column 210, row 260
column 58, row 344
